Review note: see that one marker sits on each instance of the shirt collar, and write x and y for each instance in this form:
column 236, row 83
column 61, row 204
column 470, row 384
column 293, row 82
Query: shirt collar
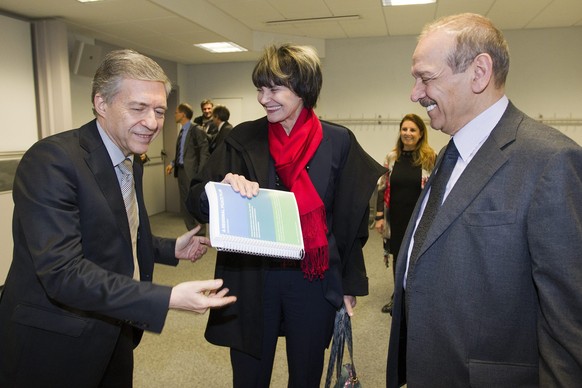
column 112, row 149
column 470, row 138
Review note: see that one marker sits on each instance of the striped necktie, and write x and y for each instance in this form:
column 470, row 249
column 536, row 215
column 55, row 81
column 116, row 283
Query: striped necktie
column 130, row 200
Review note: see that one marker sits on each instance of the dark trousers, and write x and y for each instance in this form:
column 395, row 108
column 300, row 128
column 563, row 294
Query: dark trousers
column 184, row 187
column 294, row 308
column 119, row 372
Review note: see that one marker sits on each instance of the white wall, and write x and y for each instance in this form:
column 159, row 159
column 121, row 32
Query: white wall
column 364, row 78
column 18, row 99
column 224, row 81
column 370, row 77
column 18, row 108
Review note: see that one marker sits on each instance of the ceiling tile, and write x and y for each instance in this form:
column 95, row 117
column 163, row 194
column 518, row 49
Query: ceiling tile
column 558, row 13
column 153, row 28
column 515, row 14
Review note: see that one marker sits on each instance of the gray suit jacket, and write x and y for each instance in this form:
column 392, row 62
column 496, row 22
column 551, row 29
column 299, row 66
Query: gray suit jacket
column 196, row 151
column 495, row 298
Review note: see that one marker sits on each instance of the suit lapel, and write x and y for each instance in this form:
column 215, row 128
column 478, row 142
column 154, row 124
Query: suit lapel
column 99, row 162
column 488, row 160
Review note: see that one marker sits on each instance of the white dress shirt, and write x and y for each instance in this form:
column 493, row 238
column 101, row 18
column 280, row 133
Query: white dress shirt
column 468, row 141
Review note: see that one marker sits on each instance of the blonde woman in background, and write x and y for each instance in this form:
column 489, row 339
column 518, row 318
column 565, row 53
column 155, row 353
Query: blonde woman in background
column 409, row 165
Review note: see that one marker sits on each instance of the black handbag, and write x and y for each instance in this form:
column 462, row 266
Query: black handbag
column 346, row 376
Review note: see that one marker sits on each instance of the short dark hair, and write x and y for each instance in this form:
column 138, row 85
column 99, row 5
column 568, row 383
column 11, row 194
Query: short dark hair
column 221, row 112
column 187, row 110
column 292, row 66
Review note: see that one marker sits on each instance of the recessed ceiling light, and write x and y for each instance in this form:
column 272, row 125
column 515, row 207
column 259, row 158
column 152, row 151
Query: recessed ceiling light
column 221, row 47
column 387, row 3
column 88, row 1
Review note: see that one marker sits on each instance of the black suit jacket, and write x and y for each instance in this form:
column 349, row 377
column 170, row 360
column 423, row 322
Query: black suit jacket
column 70, row 285
column 218, row 138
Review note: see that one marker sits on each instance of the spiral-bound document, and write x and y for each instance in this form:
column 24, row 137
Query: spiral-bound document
column 265, row 225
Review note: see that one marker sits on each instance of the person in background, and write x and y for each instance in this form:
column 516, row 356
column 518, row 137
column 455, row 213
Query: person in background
column 333, row 180
column 192, row 152
column 220, row 116
column 205, row 120
column 489, row 280
column 79, row 292
column 409, row 165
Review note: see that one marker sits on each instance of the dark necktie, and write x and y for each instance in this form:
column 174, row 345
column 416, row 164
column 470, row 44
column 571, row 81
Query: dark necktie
column 435, row 199
column 130, row 200
column 179, row 148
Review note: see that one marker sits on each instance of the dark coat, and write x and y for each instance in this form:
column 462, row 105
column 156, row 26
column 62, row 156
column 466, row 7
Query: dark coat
column 343, row 175
column 218, row 138
column 70, row 285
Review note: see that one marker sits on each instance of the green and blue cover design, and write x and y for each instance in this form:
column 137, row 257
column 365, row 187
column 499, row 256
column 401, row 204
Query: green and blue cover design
column 266, row 225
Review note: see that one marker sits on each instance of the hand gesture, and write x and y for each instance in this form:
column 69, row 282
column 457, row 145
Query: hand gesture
column 191, row 247
column 199, row 296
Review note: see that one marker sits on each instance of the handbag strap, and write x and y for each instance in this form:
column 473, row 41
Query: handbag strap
column 348, row 340
column 342, row 334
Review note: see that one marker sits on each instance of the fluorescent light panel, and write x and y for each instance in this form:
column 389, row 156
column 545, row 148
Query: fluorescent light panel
column 88, row 1
column 388, row 3
column 221, row 47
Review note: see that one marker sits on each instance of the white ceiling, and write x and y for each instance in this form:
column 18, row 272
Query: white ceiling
column 168, row 28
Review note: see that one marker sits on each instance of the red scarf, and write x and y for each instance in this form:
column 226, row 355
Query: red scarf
column 291, row 154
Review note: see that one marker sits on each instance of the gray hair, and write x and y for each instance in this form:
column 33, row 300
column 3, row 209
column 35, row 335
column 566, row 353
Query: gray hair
column 125, row 64
column 475, row 34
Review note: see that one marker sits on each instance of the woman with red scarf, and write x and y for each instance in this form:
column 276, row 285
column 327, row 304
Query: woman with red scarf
column 332, row 178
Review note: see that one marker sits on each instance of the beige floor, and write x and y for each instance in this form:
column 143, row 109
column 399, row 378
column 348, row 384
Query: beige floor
column 181, row 357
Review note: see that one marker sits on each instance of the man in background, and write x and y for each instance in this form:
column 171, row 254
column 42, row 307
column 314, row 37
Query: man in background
column 488, row 288
column 205, row 120
column 220, row 116
column 79, row 292
column 191, row 154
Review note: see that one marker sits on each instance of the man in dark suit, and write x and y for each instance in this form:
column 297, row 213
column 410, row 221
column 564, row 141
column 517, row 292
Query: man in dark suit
column 79, row 293
column 191, row 154
column 488, row 287
column 220, row 116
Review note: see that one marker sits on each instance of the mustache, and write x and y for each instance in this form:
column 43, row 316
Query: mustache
column 426, row 102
